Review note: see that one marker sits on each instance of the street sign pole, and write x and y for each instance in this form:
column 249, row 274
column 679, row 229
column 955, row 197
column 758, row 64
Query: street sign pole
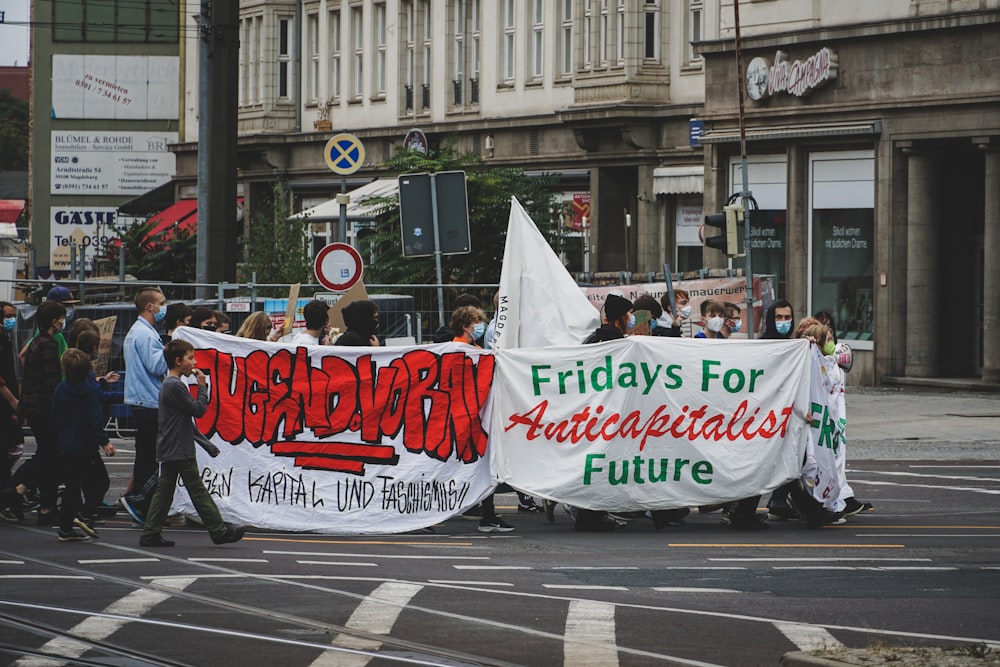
column 437, row 251
column 342, row 228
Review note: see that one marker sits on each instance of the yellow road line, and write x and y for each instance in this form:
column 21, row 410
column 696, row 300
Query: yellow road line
column 856, row 527
column 792, row 546
column 403, row 543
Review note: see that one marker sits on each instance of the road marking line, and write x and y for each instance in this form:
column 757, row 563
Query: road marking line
column 11, row 562
column 492, row 567
column 350, row 555
column 586, row 567
column 807, row 637
column 948, row 535
column 584, row 587
column 683, row 589
column 44, row 576
column 590, row 635
column 870, row 568
column 458, row 582
column 859, row 527
column 971, row 489
column 706, row 567
column 376, row 614
column 109, row 561
column 965, row 478
column 330, row 562
column 723, row 545
column 228, row 560
column 381, row 542
column 822, row 560
column 98, row 628
column 815, row 567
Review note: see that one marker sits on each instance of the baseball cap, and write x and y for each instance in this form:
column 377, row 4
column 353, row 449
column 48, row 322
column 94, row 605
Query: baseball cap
column 61, row 294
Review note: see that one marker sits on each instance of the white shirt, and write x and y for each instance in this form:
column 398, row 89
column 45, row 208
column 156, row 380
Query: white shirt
column 305, row 338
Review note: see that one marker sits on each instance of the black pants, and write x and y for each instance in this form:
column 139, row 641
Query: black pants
column 42, row 469
column 95, row 483
column 146, row 430
column 72, row 470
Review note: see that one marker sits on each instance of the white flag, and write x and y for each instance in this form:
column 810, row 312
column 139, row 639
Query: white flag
column 540, row 303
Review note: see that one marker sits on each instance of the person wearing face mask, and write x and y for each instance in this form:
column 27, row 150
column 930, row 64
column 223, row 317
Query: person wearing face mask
column 62, row 295
column 713, row 315
column 468, row 324
column 667, row 324
column 204, row 318
column 361, row 320
column 41, row 375
column 618, row 318
column 733, row 321
column 143, row 351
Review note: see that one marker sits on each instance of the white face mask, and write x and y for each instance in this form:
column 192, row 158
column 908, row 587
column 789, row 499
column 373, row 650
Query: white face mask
column 737, row 324
column 714, row 324
column 665, row 321
column 686, row 312
column 631, row 321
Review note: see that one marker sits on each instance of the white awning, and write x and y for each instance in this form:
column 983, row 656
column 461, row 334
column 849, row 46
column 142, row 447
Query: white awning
column 678, row 180
column 360, row 206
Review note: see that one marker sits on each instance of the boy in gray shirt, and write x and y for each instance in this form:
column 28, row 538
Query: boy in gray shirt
column 176, row 454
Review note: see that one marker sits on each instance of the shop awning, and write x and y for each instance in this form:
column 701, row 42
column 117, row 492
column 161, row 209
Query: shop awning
column 730, row 135
column 157, row 199
column 182, row 215
column 679, row 180
column 10, row 211
column 359, row 209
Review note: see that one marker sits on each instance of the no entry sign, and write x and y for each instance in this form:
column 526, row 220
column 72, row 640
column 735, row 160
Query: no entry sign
column 338, row 267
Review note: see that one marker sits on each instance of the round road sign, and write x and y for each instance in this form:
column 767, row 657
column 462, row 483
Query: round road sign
column 344, row 154
column 338, row 267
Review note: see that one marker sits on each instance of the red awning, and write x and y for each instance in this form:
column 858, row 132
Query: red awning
column 182, row 215
column 10, row 209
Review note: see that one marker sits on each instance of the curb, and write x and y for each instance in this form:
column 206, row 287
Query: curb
column 804, row 659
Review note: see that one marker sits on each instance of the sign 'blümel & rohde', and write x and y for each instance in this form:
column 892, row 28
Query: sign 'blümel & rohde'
column 798, row 77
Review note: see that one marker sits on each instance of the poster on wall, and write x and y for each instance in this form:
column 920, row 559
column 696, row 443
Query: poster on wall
column 95, row 162
column 115, row 87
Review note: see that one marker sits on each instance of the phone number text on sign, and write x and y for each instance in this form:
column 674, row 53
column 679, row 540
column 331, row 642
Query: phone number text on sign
column 110, row 163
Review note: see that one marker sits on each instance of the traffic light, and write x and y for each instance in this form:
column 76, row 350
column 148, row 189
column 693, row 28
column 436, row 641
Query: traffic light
column 728, row 223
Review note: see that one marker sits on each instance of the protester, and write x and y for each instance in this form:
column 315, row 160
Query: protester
column 670, row 324
column 317, row 317
column 713, row 320
column 361, row 319
column 223, row 323
column 203, row 317
column 444, row 333
column 178, row 315
column 618, row 319
column 176, row 454
column 76, row 409
column 11, row 438
column 778, row 321
column 143, row 351
column 257, row 327
column 41, row 375
column 61, row 295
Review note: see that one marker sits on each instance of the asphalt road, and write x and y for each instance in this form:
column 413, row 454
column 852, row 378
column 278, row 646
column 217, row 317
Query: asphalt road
column 922, row 569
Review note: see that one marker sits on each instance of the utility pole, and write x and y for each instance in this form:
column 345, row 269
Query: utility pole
column 745, row 195
column 218, row 61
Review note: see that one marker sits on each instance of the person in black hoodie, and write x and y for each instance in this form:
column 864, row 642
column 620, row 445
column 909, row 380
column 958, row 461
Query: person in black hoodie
column 361, row 319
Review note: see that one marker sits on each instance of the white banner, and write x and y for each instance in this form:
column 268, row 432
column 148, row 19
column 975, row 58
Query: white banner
column 651, row 423
column 342, row 439
column 95, row 162
column 115, row 87
column 826, row 458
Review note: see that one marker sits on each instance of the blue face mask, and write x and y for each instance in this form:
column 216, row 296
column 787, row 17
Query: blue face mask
column 478, row 329
column 783, row 327
column 652, row 325
column 631, row 321
column 160, row 314
column 9, row 324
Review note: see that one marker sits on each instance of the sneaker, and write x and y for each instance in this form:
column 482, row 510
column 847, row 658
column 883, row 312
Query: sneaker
column 601, row 523
column 10, row 515
column 779, row 513
column 50, row 518
column 708, row 509
column 85, row 526
column 664, row 518
column 72, row 536
column 232, row 534
column 550, row 510
column 529, row 505
column 854, row 506
column 132, row 507
column 571, row 511
column 155, row 541
column 824, row 517
column 494, row 525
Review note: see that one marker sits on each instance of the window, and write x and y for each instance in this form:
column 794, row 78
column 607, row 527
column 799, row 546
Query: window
column 336, row 55
column 537, row 38
column 476, row 36
column 380, row 49
column 768, row 179
column 425, row 86
column 284, row 58
column 695, row 17
column 588, row 28
column 620, row 32
column 358, row 36
column 651, row 30
column 409, row 80
column 509, row 27
column 566, row 38
column 605, row 34
column 249, row 57
column 459, row 56
column 842, row 231
column 152, row 21
column 312, row 77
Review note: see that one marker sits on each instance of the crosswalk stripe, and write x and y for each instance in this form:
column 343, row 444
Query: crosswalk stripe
column 99, row 628
column 376, row 614
column 808, row 637
column 590, row 635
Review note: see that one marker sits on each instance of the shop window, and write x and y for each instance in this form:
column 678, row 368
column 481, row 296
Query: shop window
column 842, row 230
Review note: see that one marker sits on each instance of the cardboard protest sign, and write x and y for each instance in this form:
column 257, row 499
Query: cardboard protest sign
column 106, row 328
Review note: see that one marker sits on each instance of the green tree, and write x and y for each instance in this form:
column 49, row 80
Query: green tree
column 276, row 248
column 168, row 255
column 489, row 191
column 13, row 132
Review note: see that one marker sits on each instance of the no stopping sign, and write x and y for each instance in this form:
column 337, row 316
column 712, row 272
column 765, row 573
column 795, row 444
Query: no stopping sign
column 338, row 267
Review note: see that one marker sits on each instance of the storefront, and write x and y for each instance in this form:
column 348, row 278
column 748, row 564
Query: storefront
column 872, row 155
